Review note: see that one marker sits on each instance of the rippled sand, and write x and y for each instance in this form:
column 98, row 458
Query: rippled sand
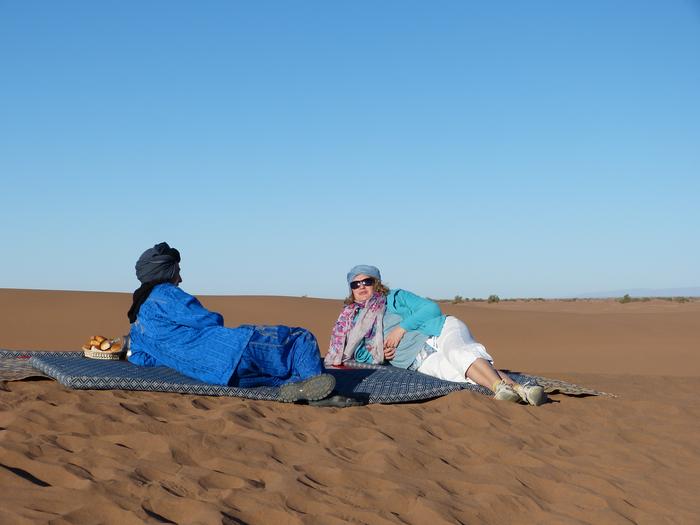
column 133, row 457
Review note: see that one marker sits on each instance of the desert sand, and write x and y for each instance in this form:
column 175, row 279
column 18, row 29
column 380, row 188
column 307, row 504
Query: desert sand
column 116, row 457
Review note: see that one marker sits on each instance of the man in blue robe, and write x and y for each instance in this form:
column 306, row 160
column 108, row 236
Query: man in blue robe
column 171, row 328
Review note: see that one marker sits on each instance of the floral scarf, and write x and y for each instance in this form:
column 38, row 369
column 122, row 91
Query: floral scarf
column 348, row 333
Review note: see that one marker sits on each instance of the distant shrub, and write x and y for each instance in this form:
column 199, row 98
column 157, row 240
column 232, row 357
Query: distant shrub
column 677, row 299
column 458, row 299
column 493, row 299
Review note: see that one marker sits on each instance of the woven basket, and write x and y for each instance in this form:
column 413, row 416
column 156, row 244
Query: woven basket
column 104, row 354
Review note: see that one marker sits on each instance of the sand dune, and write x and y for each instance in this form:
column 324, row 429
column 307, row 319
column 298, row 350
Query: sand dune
column 132, row 457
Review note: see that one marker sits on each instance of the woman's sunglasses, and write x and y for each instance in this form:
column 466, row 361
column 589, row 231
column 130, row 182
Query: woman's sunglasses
column 354, row 285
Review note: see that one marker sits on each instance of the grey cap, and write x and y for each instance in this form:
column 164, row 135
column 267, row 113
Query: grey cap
column 364, row 269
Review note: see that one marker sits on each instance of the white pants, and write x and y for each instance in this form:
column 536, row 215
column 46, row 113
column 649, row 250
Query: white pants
column 456, row 351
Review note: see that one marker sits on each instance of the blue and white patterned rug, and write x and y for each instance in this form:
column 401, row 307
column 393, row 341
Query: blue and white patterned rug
column 373, row 384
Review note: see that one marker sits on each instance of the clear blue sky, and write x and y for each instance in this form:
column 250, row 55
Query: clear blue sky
column 539, row 148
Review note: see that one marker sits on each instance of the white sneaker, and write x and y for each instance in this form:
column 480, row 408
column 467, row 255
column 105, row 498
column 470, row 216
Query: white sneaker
column 504, row 392
column 531, row 394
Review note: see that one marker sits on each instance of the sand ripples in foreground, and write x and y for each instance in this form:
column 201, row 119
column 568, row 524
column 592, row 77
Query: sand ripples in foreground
column 130, row 457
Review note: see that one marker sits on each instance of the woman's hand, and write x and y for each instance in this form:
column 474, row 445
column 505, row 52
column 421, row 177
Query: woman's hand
column 392, row 340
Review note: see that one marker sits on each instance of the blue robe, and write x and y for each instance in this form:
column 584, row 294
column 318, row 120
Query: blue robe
column 173, row 329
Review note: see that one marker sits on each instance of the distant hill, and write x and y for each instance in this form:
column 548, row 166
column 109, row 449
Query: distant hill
column 645, row 292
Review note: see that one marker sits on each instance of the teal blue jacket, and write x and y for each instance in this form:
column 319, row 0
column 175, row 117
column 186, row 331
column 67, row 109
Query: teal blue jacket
column 417, row 314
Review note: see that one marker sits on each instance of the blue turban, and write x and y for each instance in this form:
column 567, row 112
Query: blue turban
column 159, row 263
column 364, row 269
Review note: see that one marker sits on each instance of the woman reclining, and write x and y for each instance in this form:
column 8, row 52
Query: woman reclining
column 409, row 331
